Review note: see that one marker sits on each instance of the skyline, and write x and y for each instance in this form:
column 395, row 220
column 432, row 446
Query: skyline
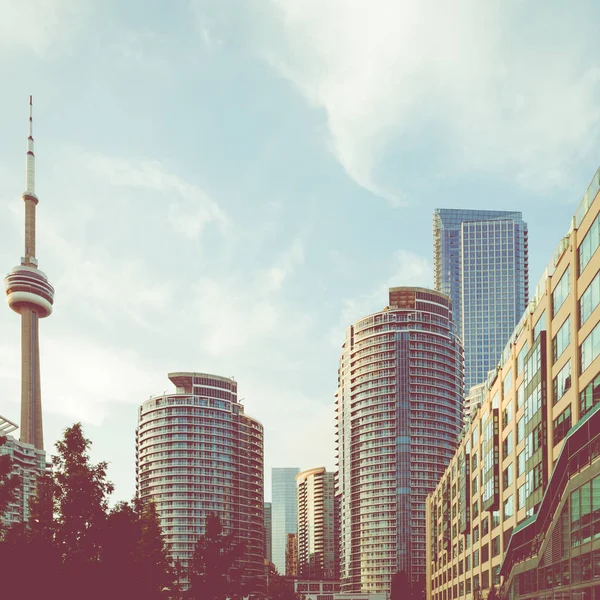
column 273, row 196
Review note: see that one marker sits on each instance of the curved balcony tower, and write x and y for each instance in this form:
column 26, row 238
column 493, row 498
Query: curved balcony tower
column 30, row 294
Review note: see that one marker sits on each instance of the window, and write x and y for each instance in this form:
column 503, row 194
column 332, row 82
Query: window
column 508, row 507
column 561, row 340
column 474, row 486
column 507, row 415
column 485, row 553
column 589, row 244
column 496, row 546
column 590, row 348
column 561, row 383
column 520, row 396
column 539, row 326
column 475, row 510
column 485, row 526
column 521, row 463
column 589, row 300
column 520, row 429
column 507, row 476
column 590, row 396
column 507, row 445
column 561, row 291
column 475, row 534
column 475, row 558
column 562, row 424
column 521, row 359
column 507, row 384
column 522, row 496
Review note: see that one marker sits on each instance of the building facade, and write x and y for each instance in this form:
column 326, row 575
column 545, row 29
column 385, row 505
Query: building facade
column 28, row 462
column 398, row 417
column 283, row 513
column 317, row 539
column 198, row 453
column 268, row 557
column 518, row 506
column 481, row 262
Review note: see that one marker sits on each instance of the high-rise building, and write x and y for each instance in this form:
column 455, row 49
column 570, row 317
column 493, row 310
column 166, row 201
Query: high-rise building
column 30, row 295
column 317, row 539
column 399, row 415
column 198, row 453
column 283, row 512
column 268, row 556
column 481, row 262
column 519, row 505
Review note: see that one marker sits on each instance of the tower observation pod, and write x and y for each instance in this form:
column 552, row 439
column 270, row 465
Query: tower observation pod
column 30, row 294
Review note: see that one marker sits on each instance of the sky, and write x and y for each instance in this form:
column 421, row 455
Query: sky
column 226, row 185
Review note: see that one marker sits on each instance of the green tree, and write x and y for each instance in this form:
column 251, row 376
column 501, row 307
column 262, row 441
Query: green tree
column 280, row 587
column 213, row 570
column 9, row 482
column 156, row 573
column 81, row 493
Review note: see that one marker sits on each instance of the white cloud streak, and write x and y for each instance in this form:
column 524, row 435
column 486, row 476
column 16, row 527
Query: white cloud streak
column 497, row 92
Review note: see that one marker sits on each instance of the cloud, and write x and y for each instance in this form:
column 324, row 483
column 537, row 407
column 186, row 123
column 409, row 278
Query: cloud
column 40, row 25
column 485, row 83
column 235, row 315
column 190, row 208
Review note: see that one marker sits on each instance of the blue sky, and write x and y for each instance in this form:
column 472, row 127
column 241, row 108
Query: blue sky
column 225, row 186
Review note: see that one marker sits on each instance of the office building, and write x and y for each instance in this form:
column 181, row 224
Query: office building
column 29, row 294
column 283, row 513
column 317, row 539
column 481, row 262
column 398, row 418
column 198, row 453
column 518, row 508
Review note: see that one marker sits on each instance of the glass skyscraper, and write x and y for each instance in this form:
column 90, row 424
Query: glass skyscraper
column 481, row 262
column 398, row 418
column 283, row 513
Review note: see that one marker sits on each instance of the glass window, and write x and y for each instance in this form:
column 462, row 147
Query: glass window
column 507, row 476
column 589, row 244
column 562, row 424
column 521, row 358
column 522, row 496
column 561, row 383
column 561, row 340
column 590, row 348
column 508, row 507
column 589, row 300
column 521, row 463
column 540, row 325
column 507, row 445
column 590, row 396
column 520, row 429
column 561, row 291
column 520, row 396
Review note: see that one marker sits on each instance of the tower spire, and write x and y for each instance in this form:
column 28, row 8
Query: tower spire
column 30, row 165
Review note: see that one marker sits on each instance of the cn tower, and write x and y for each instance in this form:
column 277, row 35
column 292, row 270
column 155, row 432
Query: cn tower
column 30, row 294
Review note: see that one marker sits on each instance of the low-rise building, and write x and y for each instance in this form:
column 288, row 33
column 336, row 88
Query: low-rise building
column 518, row 508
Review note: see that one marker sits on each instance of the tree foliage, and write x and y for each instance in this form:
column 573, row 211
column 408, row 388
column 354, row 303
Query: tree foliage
column 73, row 546
column 280, row 587
column 213, row 571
